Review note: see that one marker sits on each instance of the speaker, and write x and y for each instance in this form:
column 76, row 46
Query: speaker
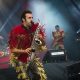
column 55, row 56
column 73, row 71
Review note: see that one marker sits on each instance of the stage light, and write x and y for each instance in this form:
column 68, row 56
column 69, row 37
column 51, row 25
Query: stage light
column 57, row 53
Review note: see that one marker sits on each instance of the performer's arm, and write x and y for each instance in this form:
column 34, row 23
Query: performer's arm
column 14, row 43
column 42, row 38
column 63, row 34
column 21, row 51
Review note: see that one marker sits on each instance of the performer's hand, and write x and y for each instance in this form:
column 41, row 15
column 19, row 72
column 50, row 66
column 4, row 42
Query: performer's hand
column 44, row 48
column 28, row 50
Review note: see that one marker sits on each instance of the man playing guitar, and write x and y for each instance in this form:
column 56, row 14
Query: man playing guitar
column 58, row 38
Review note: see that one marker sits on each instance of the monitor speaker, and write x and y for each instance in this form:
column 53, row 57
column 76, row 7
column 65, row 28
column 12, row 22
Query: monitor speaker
column 55, row 56
column 73, row 71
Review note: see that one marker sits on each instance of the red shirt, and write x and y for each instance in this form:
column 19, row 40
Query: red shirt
column 58, row 36
column 21, row 38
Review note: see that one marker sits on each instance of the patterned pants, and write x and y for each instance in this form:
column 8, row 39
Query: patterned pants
column 33, row 71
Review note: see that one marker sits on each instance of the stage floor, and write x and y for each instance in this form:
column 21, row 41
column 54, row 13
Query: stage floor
column 54, row 71
column 66, row 70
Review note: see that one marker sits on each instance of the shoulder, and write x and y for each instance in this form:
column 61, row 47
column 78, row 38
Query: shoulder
column 16, row 29
column 61, row 30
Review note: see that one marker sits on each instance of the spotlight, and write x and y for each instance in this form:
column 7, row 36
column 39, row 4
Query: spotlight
column 57, row 53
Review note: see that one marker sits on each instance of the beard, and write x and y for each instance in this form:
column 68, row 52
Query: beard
column 30, row 23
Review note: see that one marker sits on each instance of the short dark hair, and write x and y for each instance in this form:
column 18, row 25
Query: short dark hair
column 57, row 26
column 25, row 12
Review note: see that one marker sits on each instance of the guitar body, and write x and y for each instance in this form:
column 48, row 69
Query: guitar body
column 58, row 38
